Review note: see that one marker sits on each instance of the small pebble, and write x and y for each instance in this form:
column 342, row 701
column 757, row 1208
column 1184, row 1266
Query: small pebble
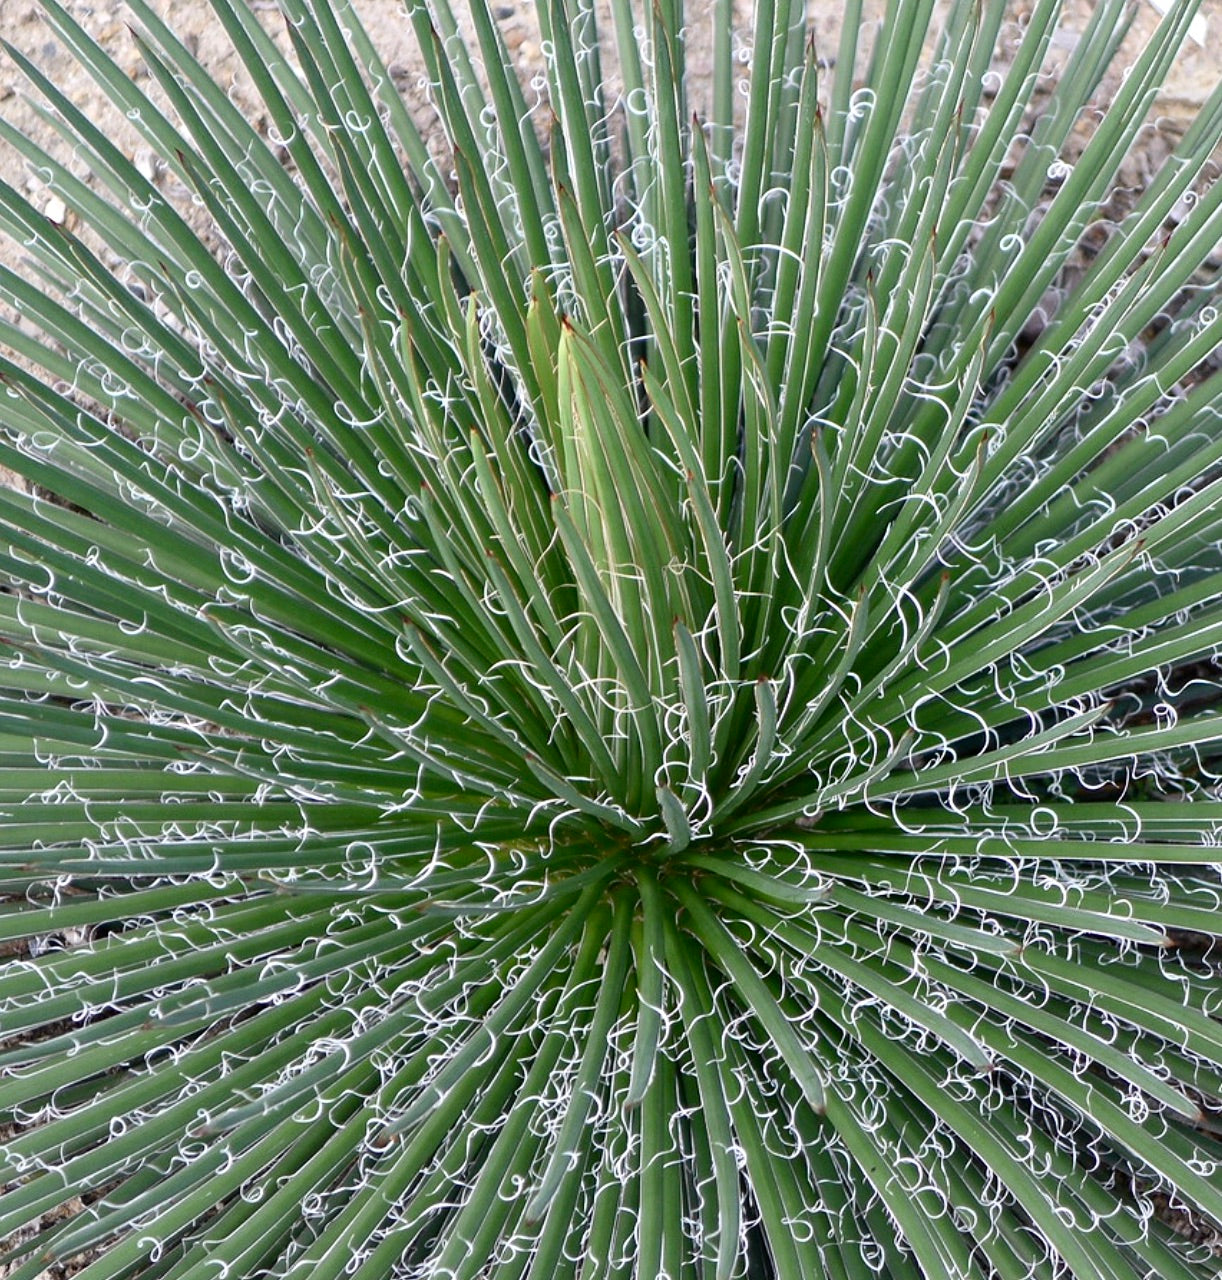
column 146, row 165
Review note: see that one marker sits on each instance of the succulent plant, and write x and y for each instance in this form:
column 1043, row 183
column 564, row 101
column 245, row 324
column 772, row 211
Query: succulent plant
column 634, row 694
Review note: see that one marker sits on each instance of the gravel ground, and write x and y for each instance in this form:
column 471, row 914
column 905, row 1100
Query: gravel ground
column 1197, row 70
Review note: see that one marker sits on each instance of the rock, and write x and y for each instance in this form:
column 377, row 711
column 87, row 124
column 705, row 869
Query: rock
column 146, row 164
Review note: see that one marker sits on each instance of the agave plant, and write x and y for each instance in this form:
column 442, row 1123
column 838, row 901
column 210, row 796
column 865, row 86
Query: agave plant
column 608, row 704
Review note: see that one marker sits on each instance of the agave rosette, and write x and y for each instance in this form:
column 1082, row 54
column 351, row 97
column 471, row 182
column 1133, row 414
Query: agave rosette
column 606, row 705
